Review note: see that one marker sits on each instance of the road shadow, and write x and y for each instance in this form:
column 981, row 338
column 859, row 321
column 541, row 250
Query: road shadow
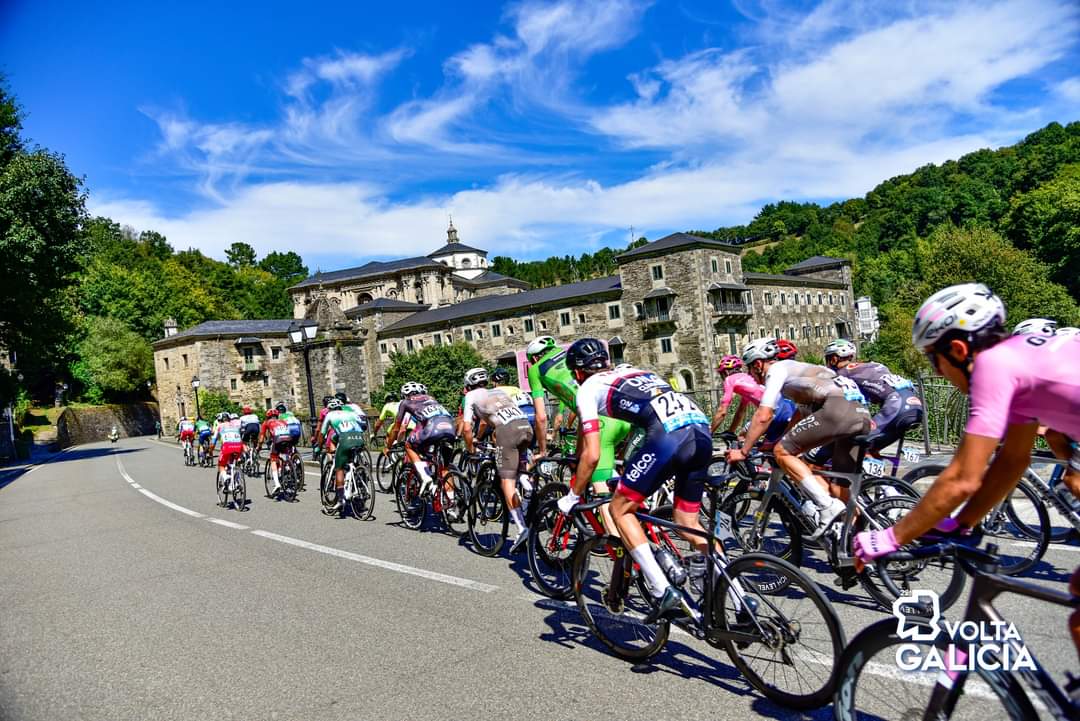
column 10, row 475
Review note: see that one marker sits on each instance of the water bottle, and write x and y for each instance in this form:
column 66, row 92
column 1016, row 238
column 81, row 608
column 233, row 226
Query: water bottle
column 696, row 566
column 672, row 569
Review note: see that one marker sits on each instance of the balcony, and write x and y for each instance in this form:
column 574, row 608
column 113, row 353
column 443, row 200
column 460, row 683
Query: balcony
column 721, row 308
column 252, row 367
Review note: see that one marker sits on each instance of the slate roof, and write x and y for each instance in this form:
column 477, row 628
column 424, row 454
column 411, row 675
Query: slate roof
column 492, row 304
column 375, row 267
column 818, row 261
column 239, row 328
column 450, row 248
column 674, row 241
column 761, row 278
column 489, row 277
column 391, row 304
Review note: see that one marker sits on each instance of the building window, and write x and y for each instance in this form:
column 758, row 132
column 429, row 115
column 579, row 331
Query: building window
column 776, row 333
column 830, row 298
column 665, row 345
column 479, row 333
column 268, row 403
column 639, row 311
column 166, row 363
column 657, row 272
column 496, row 330
column 468, row 335
column 715, row 266
column 420, row 342
column 408, row 344
column 764, row 332
column 437, row 339
column 528, row 325
column 783, row 299
column 843, row 300
column 581, row 318
column 543, row 324
column 727, row 267
column 509, row 330
column 791, row 332
column 687, row 379
column 817, row 331
column 449, row 339
column 184, row 356
column 616, row 354
column 382, row 348
column 232, row 384
column 266, row 381
column 275, row 353
column 807, row 299
column 614, row 312
column 806, row 332
column 820, row 299
column 564, row 318
column 795, row 296
column 768, row 298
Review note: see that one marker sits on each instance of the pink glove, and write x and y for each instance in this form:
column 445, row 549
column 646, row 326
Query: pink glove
column 874, row 544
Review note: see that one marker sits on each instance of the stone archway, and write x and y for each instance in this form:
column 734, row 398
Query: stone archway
column 363, row 298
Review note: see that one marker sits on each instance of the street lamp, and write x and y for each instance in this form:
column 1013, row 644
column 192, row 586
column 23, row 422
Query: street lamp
column 302, row 335
column 195, row 386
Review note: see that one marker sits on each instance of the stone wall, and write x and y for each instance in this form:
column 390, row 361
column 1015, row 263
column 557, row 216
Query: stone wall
column 89, row 425
column 802, row 306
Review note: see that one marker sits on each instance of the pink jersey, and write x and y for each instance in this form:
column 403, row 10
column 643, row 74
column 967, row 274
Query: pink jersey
column 1023, row 379
column 743, row 384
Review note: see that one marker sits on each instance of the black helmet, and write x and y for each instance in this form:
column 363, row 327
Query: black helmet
column 391, row 397
column 340, row 395
column 500, row 375
column 587, row 354
column 325, row 400
column 281, row 407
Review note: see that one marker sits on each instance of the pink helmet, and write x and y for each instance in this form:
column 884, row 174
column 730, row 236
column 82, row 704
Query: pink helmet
column 729, row 363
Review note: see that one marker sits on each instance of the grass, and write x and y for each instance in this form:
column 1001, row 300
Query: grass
column 40, row 419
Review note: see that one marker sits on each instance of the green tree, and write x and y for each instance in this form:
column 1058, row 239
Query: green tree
column 288, row 267
column 441, row 368
column 215, row 400
column 1047, row 220
column 240, row 255
column 112, row 359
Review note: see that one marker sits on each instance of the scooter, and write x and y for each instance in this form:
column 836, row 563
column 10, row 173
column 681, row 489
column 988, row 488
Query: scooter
column 114, row 435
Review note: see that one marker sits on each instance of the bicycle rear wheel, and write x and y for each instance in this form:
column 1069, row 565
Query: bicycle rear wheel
column 410, row 503
column 288, row 481
column 550, row 548
column 327, row 488
column 780, row 535
column 363, row 501
column 800, row 640
column 268, row 482
column 384, row 473
column 455, row 511
column 222, row 496
column 1023, row 518
column 489, row 520
column 614, row 601
column 239, row 490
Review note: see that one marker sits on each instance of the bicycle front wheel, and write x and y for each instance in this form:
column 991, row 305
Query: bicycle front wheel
column 239, row 490
column 410, row 503
column 552, row 539
column 614, row 600
column 384, row 473
column 872, row 686
column 793, row 662
column 1022, row 527
column 363, row 500
column 489, row 521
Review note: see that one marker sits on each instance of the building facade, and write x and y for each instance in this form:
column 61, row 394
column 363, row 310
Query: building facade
column 676, row 305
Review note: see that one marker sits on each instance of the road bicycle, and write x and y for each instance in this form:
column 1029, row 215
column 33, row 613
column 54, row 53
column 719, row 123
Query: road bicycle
column 773, row 621
column 189, row 454
column 250, row 460
column 233, row 488
column 449, row 494
column 387, row 466
column 872, row 686
column 290, row 474
column 1061, row 504
column 206, row 456
column 775, row 515
column 359, row 489
column 488, row 513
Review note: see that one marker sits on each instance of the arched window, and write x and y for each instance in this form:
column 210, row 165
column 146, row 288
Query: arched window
column 466, row 263
column 363, row 298
column 687, row 378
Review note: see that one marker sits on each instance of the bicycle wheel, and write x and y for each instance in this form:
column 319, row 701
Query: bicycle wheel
column 550, row 548
column 327, row 488
column 489, row 520
column 940, row 575
column 239, row 490
column 363, row 500
column 800, row 640
column 288, row 481
column 223, row 497
column 268, row 482
column 614, row 601
column 781, row 532
column 410, row 503
column 1022, row 520
column 455, row 511
column 384, row 475
column 872, row 686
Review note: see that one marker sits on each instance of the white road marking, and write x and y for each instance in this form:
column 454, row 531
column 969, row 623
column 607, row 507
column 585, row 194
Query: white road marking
column 379, row 563
column 135, row 485
column 228, row 524
column 155, row 497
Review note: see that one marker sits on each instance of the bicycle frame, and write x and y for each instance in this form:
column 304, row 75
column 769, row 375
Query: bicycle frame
column 1048, row 490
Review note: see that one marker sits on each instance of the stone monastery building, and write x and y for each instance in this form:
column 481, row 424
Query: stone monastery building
column 676, row 306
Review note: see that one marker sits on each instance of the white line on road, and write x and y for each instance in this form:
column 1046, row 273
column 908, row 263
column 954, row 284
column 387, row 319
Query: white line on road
column 155, row 497
column 135, row 485
column 228, row 524
column 379, row 563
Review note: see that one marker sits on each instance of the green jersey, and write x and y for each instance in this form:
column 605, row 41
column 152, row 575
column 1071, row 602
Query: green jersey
column 201, row 425
column 342, row 421
column 550, row 373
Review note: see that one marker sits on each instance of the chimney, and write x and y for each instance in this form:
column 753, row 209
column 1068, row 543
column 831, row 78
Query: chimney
column 170, row 327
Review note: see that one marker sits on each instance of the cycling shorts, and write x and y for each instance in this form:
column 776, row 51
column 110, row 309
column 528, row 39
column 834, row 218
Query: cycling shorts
column 428, row 437
column 900, row 411
column 250, row 432
column 280, row 445
column 612, row 433
column 782, row 414
column 204, row 436
column 513, row 441
column 837, row 421
column 684, row 453
column 230, row 452
column 346, row 442
column 187, row 436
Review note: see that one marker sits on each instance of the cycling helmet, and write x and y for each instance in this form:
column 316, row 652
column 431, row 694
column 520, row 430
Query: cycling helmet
column 969, row 310
column 391, row 398
column 271, row 413
column 538, row 346
column 1035, row 326
column 325, row 400
column 476, row 377
column 623, row 366
column 412, row 389
column 501, row 376
column 729, row 363
column 340, row 395
column 334, row 404
column 221, row 417
column 233, row 417
column 760, row 349
column 841, row 348
column 247, row 410
column 281, row 407
column 788, row 350
column 1068, row 330
column 587, row 354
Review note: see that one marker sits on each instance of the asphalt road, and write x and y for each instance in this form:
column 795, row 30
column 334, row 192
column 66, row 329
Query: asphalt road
column 124, row 596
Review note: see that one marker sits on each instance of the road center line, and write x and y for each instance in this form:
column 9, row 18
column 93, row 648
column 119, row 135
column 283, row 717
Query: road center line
column 379, row 563
column 155, row 497
column 228, row 524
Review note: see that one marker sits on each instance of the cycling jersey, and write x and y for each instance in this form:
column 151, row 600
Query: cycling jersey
column 389, row 412
column 522, row 399
column 901, row 407
column 203, row 431
column 187, row 430
column 293, row 424
column 249, row 426
column 433, row 422
column 347, row 429
column 807, row 384
column 1026, row 378
column 513, row 432
column 232, row 445
column 875, row 381
column 677, row 439
column 743, row 384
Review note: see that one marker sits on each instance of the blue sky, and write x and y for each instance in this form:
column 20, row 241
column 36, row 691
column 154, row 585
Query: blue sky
column 552, row 127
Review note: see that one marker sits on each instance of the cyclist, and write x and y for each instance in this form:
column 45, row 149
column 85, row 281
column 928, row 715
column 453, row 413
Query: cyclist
column 275, row 430
column 1014, row 383
column 738, row 381
column 203, row 433
column 232, row 443
column 434, row 429
column 501, row 378
column 548, row 371
column 348, row 434
column 249, row 425
column 513, row 436
column 1068, row 330
column 185, row 431
column 901, row 408
column 291, row 422
column 388, row 411
column 788, row 350
column 836, row 413
column 677, row 443
column 1036, row 326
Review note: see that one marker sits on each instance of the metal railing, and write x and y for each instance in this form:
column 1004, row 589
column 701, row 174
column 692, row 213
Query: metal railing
column 732, row 308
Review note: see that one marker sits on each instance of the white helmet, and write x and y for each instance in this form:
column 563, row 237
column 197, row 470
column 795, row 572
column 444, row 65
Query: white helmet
column 1068, row 330
column 841, row 348
column 623, row 367
column 412, row 389
column 334, row 404
column 476, row 377
column 970, row 308
column 760, row 349
column 1035, row 326
column 539, row 345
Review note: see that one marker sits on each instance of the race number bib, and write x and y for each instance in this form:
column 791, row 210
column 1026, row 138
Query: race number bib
column 522, row 399
column 674, row 410
column 509, row 413
column 898, row 382
column 723, row 526
column 230, row 436
column 911, row 455
column 281, row 432
column 433, row 410
column 851, row 391
column 873, row 467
